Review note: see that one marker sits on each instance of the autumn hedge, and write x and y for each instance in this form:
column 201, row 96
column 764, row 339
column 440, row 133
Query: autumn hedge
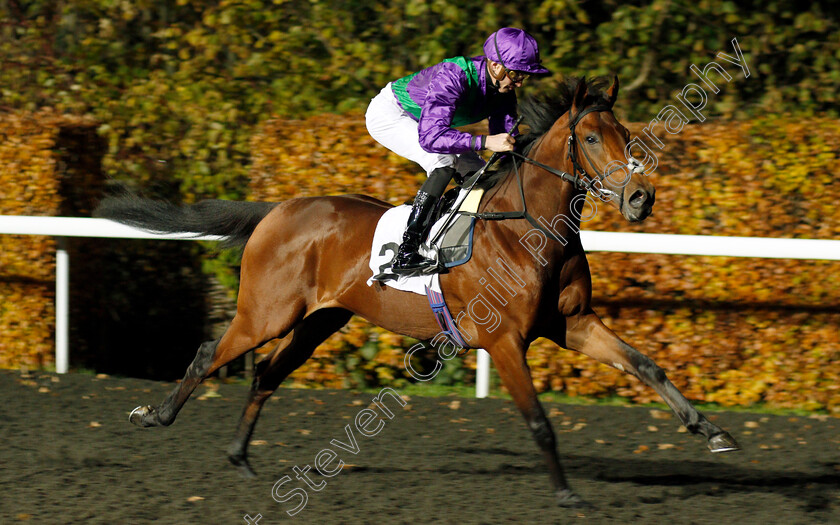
column 732, row 331
column 180, row 89
column 32, row 169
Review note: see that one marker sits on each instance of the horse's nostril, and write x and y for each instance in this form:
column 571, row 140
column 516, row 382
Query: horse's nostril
column 638, row 198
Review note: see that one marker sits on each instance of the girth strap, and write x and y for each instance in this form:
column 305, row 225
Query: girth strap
column 444, row 319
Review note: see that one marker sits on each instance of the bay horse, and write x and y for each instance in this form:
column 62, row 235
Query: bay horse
column 305, row 265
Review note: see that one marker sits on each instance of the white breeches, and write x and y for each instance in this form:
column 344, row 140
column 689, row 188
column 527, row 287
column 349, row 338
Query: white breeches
column 394, row 128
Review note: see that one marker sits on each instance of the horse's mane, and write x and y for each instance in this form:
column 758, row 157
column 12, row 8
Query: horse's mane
column 541, row 112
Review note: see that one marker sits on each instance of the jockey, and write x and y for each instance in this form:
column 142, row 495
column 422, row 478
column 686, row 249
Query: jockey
column 415, row 115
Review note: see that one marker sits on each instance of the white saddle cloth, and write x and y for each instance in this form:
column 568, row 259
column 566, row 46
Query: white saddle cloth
column 388, row 237
column 386, row 242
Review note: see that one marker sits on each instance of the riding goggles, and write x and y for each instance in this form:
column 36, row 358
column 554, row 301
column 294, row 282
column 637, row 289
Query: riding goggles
column 516, row 76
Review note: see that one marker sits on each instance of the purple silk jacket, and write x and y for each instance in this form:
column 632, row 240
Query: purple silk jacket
column 454, row 92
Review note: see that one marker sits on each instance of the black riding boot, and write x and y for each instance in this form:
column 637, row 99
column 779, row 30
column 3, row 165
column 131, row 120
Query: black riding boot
column 419, row 222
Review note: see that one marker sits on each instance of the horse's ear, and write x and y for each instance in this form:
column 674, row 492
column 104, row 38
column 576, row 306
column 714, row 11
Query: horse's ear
column 612, row 92
column 580, row 95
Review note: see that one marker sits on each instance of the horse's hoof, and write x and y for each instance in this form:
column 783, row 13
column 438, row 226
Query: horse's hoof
column 142, row 416
column 723, row 442
column 243, row 467
column 567, row 498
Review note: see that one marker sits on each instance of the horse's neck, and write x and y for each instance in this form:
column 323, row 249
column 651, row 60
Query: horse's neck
column 547, row 197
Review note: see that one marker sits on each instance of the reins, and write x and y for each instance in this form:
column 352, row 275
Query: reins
column 580, row 178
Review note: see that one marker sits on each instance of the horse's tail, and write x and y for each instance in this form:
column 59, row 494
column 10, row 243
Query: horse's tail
column 233, row 220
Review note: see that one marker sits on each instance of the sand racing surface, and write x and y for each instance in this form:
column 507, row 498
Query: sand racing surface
column 69, row 455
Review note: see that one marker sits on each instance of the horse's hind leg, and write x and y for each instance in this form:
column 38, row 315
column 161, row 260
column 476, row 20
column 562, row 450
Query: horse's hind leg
column 164, row 414
column 588, row 334
column 290, row 353
column 242, row 336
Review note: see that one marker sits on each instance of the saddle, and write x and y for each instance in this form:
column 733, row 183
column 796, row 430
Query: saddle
column 453, row 246
column 449, row 242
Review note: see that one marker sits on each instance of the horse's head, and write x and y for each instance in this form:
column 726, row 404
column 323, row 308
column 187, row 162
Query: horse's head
column 597, row 152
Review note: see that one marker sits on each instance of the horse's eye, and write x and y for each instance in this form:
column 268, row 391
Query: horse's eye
column 591, row 139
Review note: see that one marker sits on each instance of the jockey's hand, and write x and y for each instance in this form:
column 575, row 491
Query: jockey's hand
column 499, row 143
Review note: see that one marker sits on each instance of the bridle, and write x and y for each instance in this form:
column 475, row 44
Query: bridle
column 580, row 178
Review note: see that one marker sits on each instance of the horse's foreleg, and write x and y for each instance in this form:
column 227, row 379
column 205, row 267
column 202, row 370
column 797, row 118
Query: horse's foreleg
column 291, row 352
column 509, row 359
column 588, row 334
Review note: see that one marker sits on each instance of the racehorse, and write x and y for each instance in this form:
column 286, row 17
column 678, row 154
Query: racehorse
column 305, row 265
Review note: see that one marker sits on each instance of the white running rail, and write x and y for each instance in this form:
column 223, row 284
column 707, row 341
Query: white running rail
column 654, row 243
